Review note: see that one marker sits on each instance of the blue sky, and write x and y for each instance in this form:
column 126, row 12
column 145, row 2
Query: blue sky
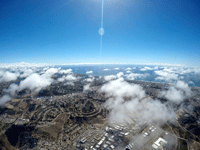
column 66, row 31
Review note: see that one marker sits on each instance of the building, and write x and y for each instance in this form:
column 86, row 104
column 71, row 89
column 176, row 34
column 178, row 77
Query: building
column 159, row 144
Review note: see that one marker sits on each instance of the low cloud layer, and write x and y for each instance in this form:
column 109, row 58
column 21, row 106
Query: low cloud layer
column 146, row 68
column 126, row 101
column 33, row 77
column 128, row 68
column 35, row 82
column 133, row 76
column 89, row 72
column 177, row 93
column 166, row 76
column 8, row 76
column 65, row 71
column 86, row 87
column 4, row 99
column 67, row 78
column 89, row 79
column 112, row 77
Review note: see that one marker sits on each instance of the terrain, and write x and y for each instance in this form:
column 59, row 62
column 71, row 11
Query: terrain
column 65, row 116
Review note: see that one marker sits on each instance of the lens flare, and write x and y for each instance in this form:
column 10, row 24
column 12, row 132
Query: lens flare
column 101, row 31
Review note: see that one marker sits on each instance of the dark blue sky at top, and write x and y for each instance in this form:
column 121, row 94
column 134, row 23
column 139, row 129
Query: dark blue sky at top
column 66, row 31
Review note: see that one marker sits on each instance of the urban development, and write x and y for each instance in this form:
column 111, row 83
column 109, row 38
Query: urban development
column 71, row 116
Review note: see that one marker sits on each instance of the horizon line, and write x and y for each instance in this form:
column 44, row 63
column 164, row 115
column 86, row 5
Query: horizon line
column 68, row 64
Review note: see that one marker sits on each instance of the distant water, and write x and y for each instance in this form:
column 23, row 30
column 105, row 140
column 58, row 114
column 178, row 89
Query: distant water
column 104, row 70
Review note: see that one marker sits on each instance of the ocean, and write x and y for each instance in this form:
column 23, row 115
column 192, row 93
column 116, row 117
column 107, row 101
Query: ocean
column 152, row 73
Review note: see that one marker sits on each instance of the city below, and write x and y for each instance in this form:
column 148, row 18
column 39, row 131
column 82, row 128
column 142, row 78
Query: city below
column 74, row 116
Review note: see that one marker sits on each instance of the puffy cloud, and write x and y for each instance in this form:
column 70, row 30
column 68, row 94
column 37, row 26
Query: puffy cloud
column 133, row 76
column 89, row 72
column 50, row 72
column 12, row 89
column 116, row 68
column 137, row 106
column 86, row 87
column 65, row 71
column 184, row 87
column 146, row 110
column 128, row 68
column 146, row 68
column 69, row 83
column 106, row 69
column 119, row 74
column 4, row 99
column 91, row 79
column 45, row 69
column 128, row 71
column 34, row 82
column 191, row 82
column 170, row 70
column 177, row 93
column 182, row 70
column 68, row 78
column 8, row 76
column 27, row 73
column 167, row 76
column 110, row 77
column 1, row 73
column 173, row 95
column 120, row 88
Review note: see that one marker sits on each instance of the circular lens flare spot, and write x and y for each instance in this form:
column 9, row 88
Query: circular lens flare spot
column 101, row 31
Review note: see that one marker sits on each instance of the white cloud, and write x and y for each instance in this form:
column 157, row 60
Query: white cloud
column 86, row 87
column 119, row 74
column 67, row 78
column 90, row 79
column 139, row 106
column 65, row 71
column 128, row 71
column 12, row 89
column 177, row 93
column 116, row 68
column 167, row 76
column 34, row 82
column 146, row 68
column 106, row 69
column 184, row 87
column 173, row 95
column 27, row 73
column 121, row 88
column 89, row 72
column 13, row 66
column 110, row 77
column 1, row 73
column 191, row 82
column 8, row 76
column 4, row 99
column 128, row 68
column 69, row 83
column 50, row 72
column 182, row 70
column 45, row 69
column 133, row 76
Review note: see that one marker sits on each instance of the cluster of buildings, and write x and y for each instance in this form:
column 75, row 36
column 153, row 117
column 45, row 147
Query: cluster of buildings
column 79, row 131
